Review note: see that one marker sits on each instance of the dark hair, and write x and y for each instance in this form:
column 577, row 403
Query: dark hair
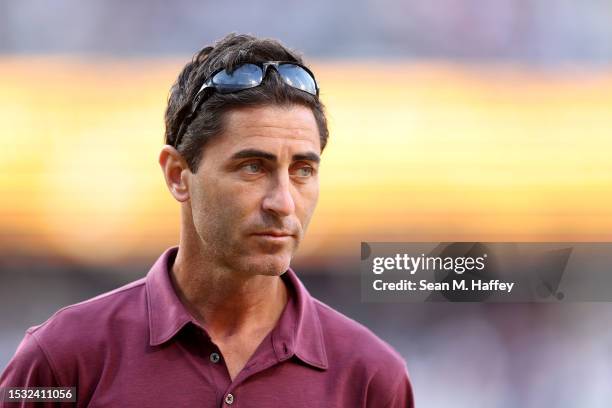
column 228, row 53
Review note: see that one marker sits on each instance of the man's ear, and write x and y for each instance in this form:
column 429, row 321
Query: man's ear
column 176, row 172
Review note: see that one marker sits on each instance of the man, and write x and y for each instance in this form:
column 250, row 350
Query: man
column 221, row 319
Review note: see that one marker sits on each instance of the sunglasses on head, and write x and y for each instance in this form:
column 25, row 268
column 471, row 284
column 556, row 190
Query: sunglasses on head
column 250, row 75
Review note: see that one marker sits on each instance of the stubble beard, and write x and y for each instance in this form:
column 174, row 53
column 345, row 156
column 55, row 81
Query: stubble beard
column 242, row 254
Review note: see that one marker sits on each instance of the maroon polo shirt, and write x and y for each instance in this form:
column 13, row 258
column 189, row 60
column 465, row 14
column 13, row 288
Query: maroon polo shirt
column 137, row 346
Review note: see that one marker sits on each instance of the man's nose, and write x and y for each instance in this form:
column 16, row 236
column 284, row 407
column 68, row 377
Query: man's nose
column 279, row 199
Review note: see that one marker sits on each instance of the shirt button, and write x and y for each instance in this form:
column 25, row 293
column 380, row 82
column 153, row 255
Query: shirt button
column 214, row 357
column 229, row 399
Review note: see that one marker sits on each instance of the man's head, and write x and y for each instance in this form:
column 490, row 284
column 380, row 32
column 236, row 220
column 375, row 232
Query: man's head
column 246, row 166
column 229, row 52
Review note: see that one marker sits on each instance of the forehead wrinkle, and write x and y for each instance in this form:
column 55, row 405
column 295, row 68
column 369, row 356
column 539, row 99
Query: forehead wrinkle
column 275, row 126
column 269, row 126
column 290, row 136
column 292, row 128
column 297, row 133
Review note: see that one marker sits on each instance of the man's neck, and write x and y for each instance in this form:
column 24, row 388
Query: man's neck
column 225, row 302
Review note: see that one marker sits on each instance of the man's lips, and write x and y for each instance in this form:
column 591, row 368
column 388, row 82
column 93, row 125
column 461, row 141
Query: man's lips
column 274, row 233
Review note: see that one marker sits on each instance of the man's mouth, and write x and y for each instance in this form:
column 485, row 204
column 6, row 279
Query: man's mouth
column 274, row 233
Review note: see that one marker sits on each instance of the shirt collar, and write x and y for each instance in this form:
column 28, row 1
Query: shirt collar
column 167, row 315
column 298, row 331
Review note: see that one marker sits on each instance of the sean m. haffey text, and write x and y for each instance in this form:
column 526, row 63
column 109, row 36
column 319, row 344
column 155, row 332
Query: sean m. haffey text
column 414, row 264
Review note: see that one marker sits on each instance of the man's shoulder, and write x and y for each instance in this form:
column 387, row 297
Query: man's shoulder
column 351, row 340
column 66, row 348
column 356, row 352
column 92, row 316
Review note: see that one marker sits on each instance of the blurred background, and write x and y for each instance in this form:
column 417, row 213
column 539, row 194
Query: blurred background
column 450, row 120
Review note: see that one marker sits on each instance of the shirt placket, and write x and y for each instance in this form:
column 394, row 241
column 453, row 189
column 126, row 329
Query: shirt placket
column 263, row 359
column 216, row 370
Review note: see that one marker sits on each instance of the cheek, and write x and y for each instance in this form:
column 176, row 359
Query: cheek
column 223, row 209
column 209, row 209
column 308, row 202
column 203, row 212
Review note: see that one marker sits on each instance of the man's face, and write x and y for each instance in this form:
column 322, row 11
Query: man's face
column 256, row 188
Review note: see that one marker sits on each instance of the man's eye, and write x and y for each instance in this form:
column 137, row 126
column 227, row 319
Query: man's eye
column 305, row 171
column 252, row 168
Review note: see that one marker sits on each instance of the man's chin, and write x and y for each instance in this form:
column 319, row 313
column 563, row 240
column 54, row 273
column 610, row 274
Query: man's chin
column 268, row 265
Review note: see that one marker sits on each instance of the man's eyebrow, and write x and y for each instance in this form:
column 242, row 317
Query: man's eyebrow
column 252, row 153
column 255, row 153
column 309, row 156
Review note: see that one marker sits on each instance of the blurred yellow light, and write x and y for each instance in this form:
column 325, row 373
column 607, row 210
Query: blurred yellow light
column 424, row 152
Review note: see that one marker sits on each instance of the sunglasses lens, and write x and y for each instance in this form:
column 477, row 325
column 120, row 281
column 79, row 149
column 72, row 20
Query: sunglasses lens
column 245, row 76
column 297, row 77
